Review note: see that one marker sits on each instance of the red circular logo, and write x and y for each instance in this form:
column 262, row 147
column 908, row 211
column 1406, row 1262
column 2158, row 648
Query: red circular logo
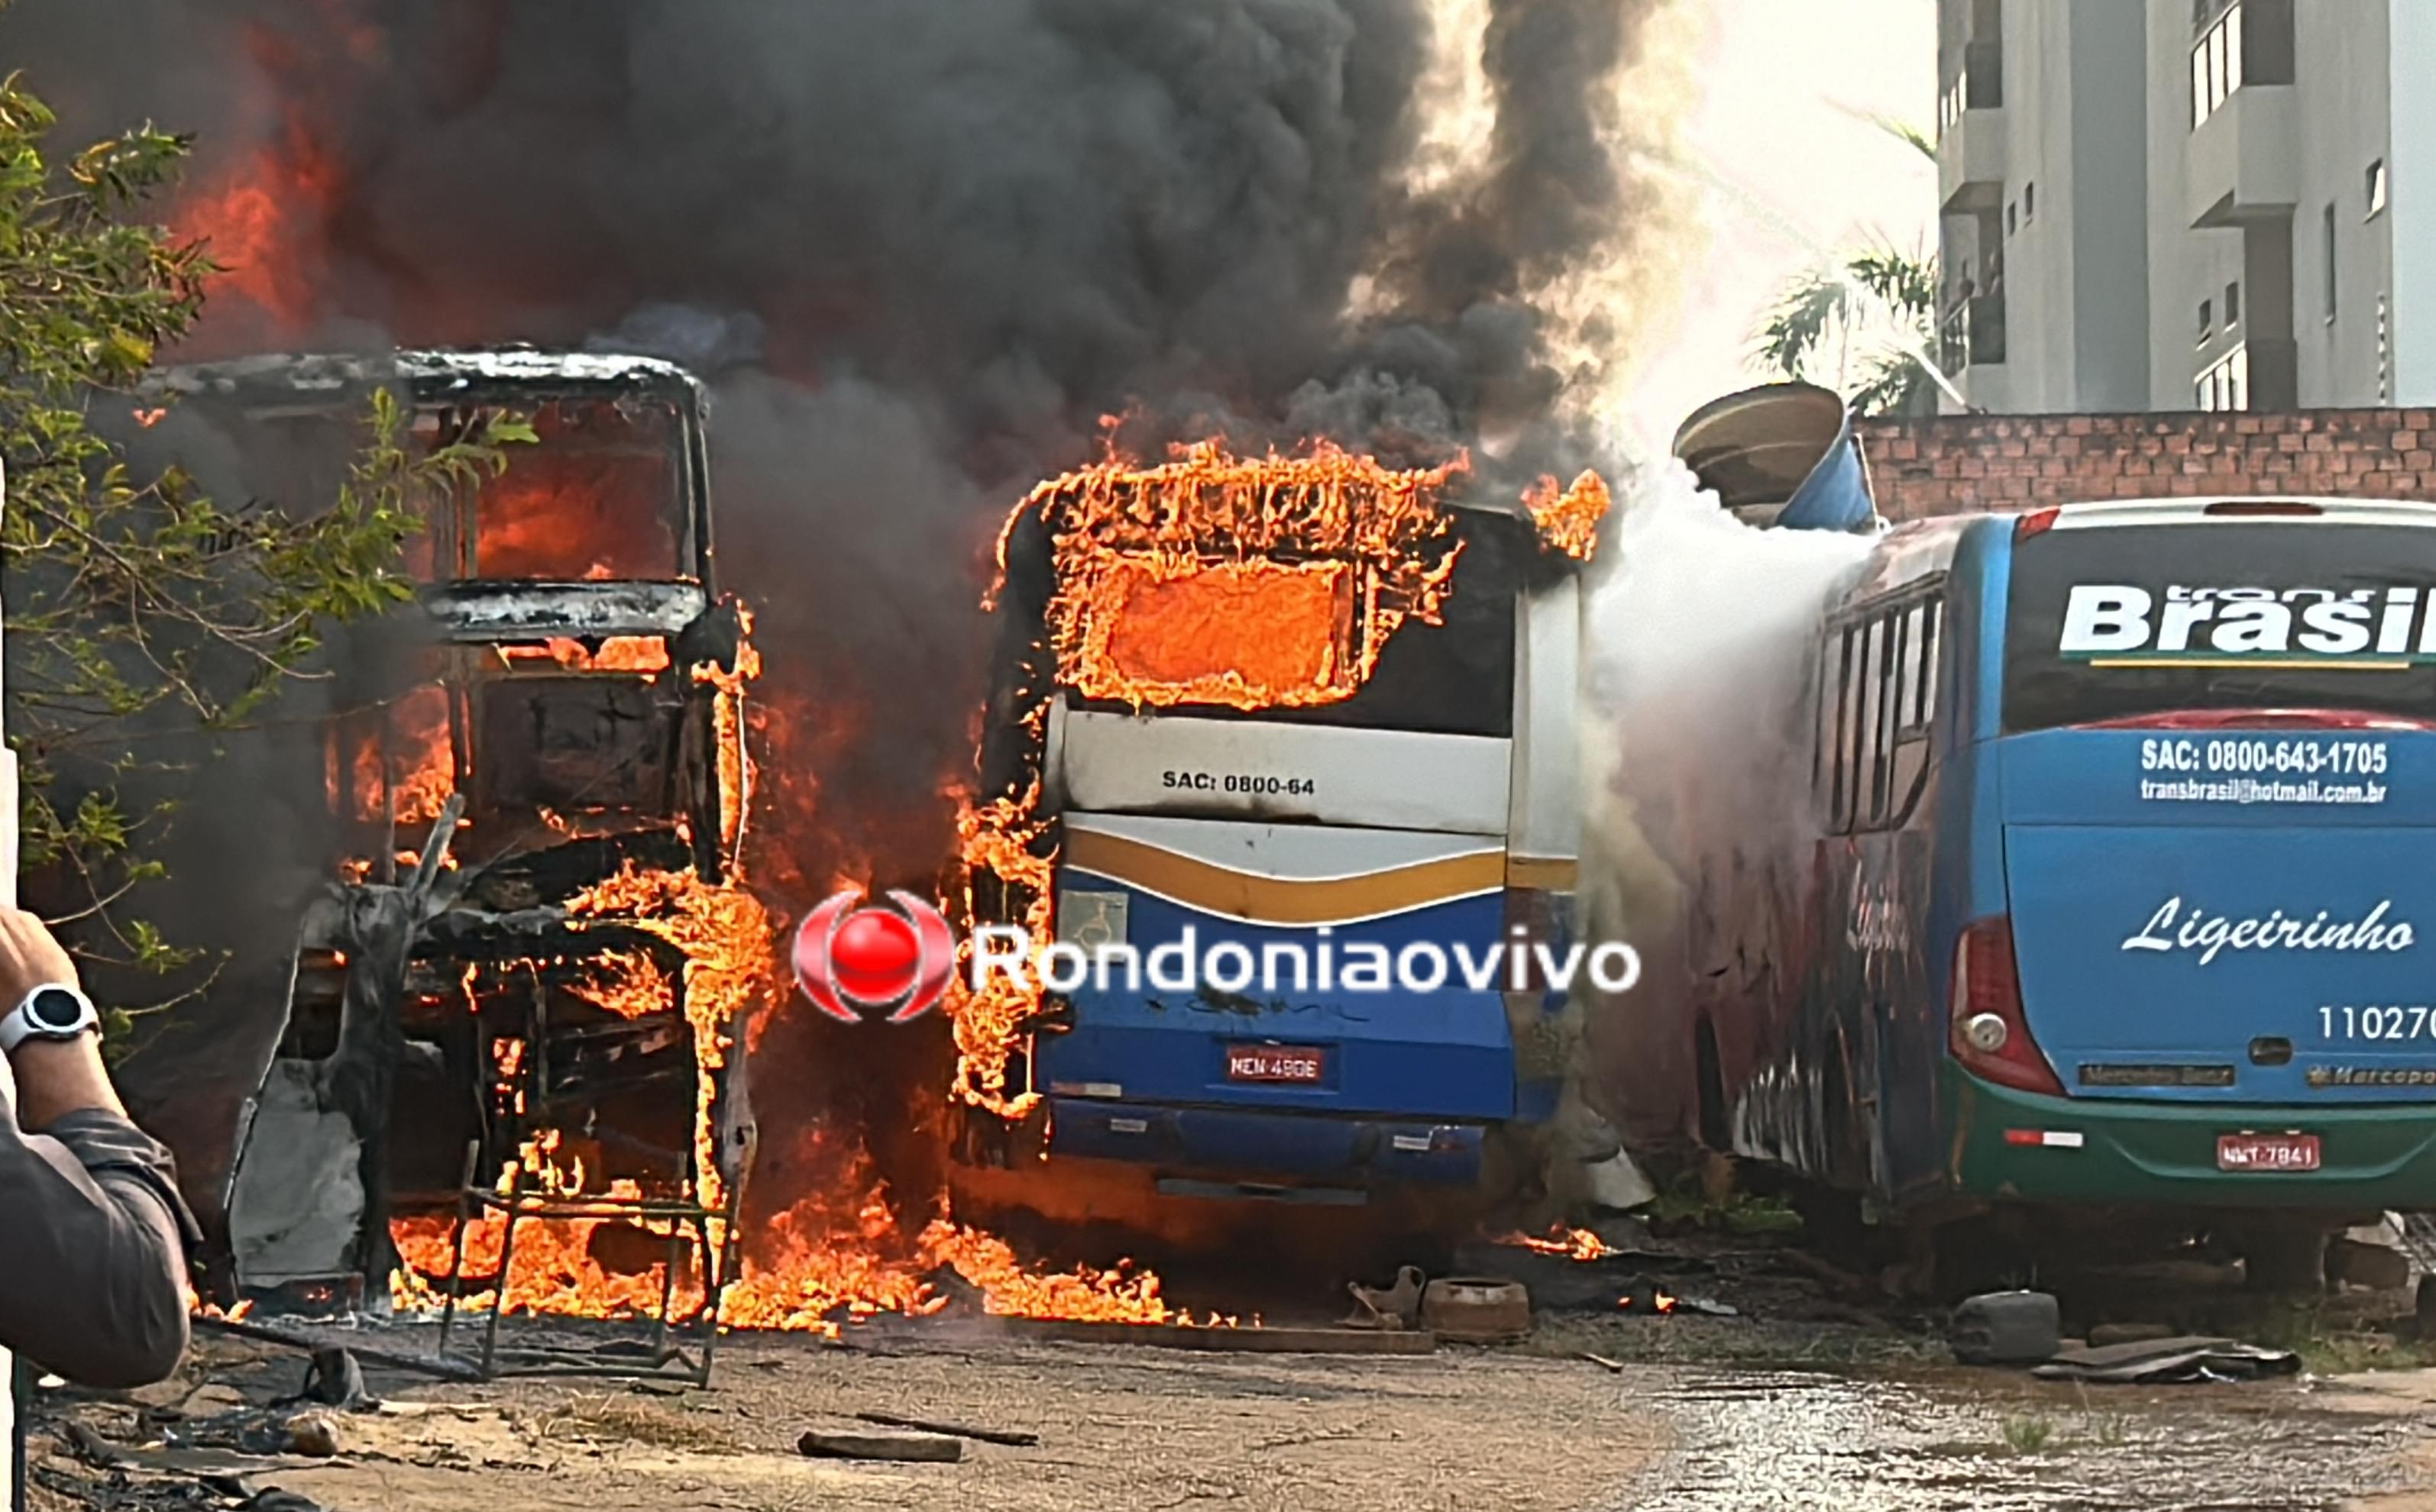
column 874, row 956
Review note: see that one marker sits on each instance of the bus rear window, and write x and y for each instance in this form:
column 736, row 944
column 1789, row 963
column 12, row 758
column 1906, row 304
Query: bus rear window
column 1279, row 624
column 2128, row 621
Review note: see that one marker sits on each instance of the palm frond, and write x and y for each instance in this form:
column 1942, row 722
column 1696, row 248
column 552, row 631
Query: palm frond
column 1908, row 132
column 1808, row 309
column 1906, row 283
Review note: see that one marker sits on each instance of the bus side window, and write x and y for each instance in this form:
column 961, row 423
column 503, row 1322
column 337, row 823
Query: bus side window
column 1831, row 756
column 1861, row 783
column 1895, row 656
column 1916, row 698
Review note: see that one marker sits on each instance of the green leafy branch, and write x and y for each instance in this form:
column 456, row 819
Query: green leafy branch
column 136, row 607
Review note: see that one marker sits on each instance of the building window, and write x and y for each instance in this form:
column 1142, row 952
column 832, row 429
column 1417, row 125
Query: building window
column 2216, row 66
column 2012, row 221
column 2232, row 305
column 2029, row 201
column 2329, row 251
column 2225, row 385
column 2207, row 322
column 2248, row 42
column 2376, row 188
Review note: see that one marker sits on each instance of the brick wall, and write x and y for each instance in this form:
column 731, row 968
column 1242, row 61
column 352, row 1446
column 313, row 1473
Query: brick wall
column 1961, row 465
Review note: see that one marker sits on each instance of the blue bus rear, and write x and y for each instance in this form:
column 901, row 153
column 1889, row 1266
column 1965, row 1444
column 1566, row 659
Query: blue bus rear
column 2119, row 888
column 2209, row 741
column 1433, row 806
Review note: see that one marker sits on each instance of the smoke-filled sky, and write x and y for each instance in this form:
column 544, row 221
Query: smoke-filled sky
column 921, row 246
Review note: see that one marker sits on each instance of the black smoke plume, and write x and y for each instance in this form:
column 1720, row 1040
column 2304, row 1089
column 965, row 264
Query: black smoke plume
column 921, row 248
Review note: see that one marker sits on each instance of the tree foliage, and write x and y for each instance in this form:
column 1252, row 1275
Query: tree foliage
column 135, row 606
column 1866, row 325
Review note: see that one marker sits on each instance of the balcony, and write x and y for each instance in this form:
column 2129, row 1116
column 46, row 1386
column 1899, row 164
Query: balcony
column 1970, row 133
column 2244, row 161
column 1971, row 162
column 1973, row 334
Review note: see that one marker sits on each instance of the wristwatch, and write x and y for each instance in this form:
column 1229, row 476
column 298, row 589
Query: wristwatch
column 51, row 1012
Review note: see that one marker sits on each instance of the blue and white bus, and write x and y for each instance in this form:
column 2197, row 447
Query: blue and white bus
column 2115, row 899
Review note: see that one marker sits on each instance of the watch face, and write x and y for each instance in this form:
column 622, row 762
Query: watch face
column 55, row 1008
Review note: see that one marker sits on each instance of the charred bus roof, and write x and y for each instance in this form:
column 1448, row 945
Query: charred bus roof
column 475, row 374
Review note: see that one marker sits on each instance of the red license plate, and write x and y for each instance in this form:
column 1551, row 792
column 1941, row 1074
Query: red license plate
column 2267, row 1152
column 1275, row 1062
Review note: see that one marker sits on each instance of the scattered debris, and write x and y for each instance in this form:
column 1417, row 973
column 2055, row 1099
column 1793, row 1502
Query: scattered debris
column 312, row 1433
column 2153, row 1360
column 89, row 1446
column 1612, row 1367
column 2377, row 1266
column 1477, row 1308
column 2006, row 1328
column 1396, row 1307
column 986, row 1435
column 922, row 1447
column 301, row 1339
column 2104, row 1334
column 335, row 1379
column 1256, row 1339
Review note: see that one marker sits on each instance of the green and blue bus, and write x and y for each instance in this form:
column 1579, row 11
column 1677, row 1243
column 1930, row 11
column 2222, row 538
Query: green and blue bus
column 2110, row 921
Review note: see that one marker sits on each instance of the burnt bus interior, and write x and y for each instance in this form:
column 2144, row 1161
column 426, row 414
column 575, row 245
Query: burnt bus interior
column 531, row 728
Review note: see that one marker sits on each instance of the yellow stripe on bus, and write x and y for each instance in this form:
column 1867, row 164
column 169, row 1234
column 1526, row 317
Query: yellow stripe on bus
column 1282, row 900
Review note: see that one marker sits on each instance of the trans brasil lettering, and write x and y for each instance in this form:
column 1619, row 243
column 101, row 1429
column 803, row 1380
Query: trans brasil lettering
column 2215, row 624
column 2173, row 929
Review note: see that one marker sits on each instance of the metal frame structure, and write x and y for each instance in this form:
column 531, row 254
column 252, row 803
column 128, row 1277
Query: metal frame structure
column 519, row 1203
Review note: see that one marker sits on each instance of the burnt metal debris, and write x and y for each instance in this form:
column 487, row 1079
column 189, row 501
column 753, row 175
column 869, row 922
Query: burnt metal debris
column 445, row 1005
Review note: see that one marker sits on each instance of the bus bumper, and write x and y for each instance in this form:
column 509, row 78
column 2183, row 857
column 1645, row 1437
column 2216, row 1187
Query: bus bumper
column 2009, row 1144
column 1230, row 1152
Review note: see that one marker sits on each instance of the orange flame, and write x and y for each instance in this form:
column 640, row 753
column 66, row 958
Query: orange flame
column 1008, row 841
column 615, row 653
column 1259, row 582
column 418, row 776
column 1574, row 1243
column 728, row 941
column 1569, row 521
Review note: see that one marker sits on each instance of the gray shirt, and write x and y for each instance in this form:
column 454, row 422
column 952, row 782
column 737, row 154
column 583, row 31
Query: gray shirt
column 93, row 1249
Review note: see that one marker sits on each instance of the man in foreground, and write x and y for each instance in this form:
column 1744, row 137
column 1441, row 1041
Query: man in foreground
column 92, row 1233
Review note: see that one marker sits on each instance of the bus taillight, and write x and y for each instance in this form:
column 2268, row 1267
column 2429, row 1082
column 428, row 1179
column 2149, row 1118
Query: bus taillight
column 1990, row 1036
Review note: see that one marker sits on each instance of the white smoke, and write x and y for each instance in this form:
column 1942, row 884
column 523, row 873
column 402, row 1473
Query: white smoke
column 1698, row 649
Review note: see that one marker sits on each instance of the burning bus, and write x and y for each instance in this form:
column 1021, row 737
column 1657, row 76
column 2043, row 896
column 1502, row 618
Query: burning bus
column 1302, row 702
column 523, row 962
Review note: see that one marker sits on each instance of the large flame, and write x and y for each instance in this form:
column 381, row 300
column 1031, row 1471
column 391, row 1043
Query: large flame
column 404, row 766
column 727, row 938
column 1258, row 583
column 1252, row 582
column 1568, row 520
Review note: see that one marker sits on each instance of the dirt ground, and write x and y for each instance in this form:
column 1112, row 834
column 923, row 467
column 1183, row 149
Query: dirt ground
column 1708, row 1414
